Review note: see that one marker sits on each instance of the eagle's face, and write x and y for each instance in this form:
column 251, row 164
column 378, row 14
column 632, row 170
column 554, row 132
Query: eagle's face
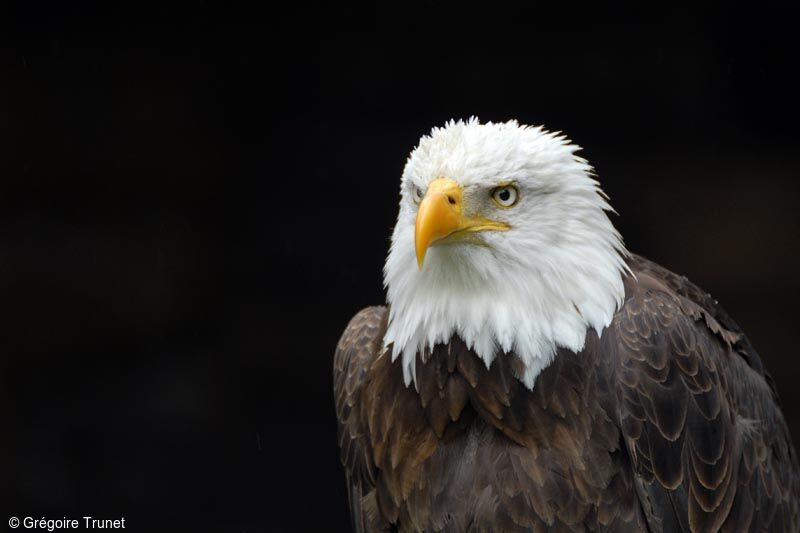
column 502, row 239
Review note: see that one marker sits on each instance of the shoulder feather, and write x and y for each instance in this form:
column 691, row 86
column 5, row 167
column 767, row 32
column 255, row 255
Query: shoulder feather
column 358, row 346
column 705, row 436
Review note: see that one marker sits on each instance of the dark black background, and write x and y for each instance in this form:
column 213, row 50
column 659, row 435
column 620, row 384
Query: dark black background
column 195, row 200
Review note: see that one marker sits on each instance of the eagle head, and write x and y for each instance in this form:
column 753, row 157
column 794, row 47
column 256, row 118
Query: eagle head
column 502, row 239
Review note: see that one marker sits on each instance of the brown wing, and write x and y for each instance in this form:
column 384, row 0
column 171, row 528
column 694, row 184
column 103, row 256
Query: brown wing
column 357, row 348
column 686, row 289
column 700, row 420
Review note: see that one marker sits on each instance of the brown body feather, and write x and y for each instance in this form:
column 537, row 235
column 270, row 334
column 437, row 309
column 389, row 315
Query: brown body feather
column 667, row 422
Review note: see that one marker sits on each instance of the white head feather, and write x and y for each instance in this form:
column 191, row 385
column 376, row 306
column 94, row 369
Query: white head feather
column 529, row 290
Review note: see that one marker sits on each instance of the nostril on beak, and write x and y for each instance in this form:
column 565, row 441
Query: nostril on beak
column 451, row 199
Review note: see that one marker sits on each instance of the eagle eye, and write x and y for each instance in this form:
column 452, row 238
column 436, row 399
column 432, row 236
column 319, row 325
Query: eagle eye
column 417, row 194
column 505, row 195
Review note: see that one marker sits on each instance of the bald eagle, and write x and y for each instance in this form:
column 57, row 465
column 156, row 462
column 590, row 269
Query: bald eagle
column 530, row 374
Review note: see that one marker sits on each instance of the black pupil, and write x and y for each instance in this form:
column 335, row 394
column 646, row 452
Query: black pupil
column 504, row 195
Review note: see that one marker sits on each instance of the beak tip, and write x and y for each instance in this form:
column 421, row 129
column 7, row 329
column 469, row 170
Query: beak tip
column 420, row 250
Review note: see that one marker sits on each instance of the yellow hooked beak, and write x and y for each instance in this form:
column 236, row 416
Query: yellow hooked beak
column 441, row 218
